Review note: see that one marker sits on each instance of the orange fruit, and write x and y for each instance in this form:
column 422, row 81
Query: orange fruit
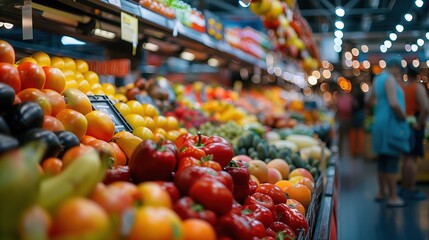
column 52, row 166
column 149, row 110
column 144, row 133
column 79, row 76
column 37, row 96
column 101, row 146
column 69, row 64
column 295, row 204
column 71, row 84
column 196, row 229
column 84, row 86
column 95, row 86
column 149, row 123
column 100, row 125
column 52, row 124
column 135, row 107
column 79, row 217
column 69, row 75
column 26, row 59
column 135, row 120
column 283, row 184
column 87, row 139
column 156, row 223
column 73, row 121
column 172, row 123
column 300, row 193
column 118, row 154
column 56, row 100
column 304, row 181
column 108, row 88
column 74, row 153
column 9, row 74
column 77, row 100
column 301, row 172
column 160, row 121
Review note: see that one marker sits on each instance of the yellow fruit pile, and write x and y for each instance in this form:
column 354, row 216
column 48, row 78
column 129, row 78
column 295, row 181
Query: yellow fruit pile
column 224, row 111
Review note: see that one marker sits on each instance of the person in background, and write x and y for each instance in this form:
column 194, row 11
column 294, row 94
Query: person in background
column 416, row 105
column 356, row 134
column 343, row 115
column 390, row 101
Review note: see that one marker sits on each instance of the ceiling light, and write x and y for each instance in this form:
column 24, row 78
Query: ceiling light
column 325, row 64
column 404, row 63
column 364, row 87
column 420, row 42
column 388, row 44
column 355, row 63
column 427, row 35
column 408, row 17
column 8, row 25
column 339, row 24
column 312, row 80
column 340, row 12
column 316, row 74
column 326, row 74
column 187, row 56
column 364, row 48
column 393, row 36
column 278, row 71
column 349, row 63
column 366, row 64
column 407, row 47
column 399, row 28
column 383, row 48
column 213, row 62
column 66, row 40
column 337, row 48
column 382, row 63
column 416, row 63
column 338, row 41
column 103, row 33
column 414, row 47
column 338, row 34
column 348, row 55
column 419, row 3
column 427, row 63
column 151, row 47
column 355, row 52
column 244, row 3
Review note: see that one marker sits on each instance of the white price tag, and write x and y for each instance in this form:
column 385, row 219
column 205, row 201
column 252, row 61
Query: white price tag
column 129, row 28
column 116, row 3
column 27, row 20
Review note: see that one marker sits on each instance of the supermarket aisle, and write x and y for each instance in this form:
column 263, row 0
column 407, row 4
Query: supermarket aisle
column 362, row 218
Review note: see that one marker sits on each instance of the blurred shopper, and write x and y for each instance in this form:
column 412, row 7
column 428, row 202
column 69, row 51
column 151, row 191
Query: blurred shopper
column 390, row 104
column 356, row 134
column 344, row 103
column 417, row 108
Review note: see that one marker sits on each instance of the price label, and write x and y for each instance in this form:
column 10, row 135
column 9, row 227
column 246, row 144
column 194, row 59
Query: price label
column 103, row 103
column 27, row 20
column 116, row 3
column 129, row 28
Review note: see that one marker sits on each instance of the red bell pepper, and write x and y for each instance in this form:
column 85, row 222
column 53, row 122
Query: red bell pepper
column 187, row 208
column 200, row 146
column 259, row 213
column 204, row 162
column 291, row 217
column 260, row 199
column 273, row 191
column 171, row 189
column 118, row 173
column 252, row 186
column 240, row 177
column 241, row 227
column 279, row 230
column 212, row 194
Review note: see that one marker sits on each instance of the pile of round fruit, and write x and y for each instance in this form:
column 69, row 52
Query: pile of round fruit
column 65, row 173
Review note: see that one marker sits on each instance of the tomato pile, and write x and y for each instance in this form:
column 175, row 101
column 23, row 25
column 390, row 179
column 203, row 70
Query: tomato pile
column 66, row 173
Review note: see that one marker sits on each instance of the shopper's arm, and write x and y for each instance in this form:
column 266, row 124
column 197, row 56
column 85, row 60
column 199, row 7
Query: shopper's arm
column 422, row 98
column 393, row 100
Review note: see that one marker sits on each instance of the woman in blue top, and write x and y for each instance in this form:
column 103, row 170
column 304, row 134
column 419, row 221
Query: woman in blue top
column 390, row 101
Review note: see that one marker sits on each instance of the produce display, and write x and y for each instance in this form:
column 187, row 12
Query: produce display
column 213, row 171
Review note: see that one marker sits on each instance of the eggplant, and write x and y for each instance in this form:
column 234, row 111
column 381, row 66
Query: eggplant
column 7, row 97
column 24, row 116
column 67, row 140
column 7, row 143
column 38, row 134
column 4, row 128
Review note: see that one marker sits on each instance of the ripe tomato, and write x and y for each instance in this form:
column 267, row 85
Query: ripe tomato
column 273, row 191
column 295, row 204
column 7, row 54
column 73, row 121
column 77, row 217
column 37, row 96
column 9, row 74
column 128, row 187
column 56, row 100
column 156, row 223
column 52, row 166
column 55, row 79
column 32, row 75
column 100, row 125
column 52, row 124
column 195, row 229
column 113, row 199
column 101, row 146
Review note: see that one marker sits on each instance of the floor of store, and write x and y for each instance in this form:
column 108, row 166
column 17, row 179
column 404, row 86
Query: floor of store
column 360, row 217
